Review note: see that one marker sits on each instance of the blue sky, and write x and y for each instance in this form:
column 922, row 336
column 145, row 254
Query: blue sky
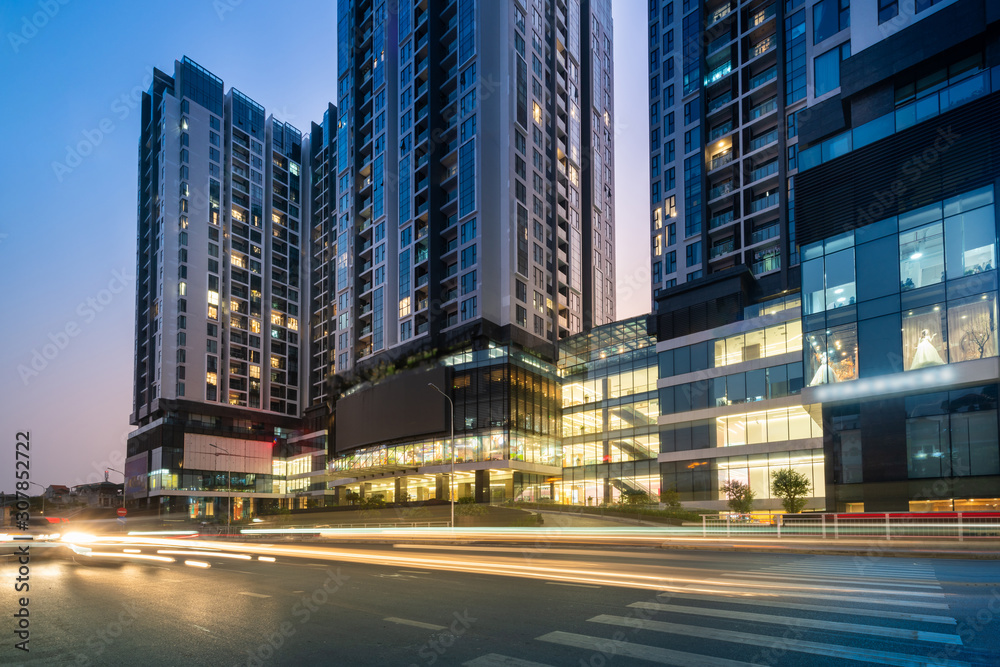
column 72, row 75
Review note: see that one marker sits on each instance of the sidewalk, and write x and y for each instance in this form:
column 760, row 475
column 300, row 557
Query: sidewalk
column 985, row 549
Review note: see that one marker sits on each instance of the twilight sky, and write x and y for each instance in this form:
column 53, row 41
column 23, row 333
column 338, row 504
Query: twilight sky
column 72, row 75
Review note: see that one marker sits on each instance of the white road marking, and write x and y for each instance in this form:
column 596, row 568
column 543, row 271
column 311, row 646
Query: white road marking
column 416, row 624
column 770, row 641
column 818, row 624
column 254, row 595
column 562, row 583
column 497, row 660
column 850, row 611
column 662, row 656
column 857, row 581
column 772, row 593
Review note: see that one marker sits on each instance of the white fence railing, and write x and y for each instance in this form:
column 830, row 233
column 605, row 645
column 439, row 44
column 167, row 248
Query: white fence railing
column 960, row 525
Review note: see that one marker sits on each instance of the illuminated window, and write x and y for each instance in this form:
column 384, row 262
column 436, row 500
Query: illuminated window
column 536, row 112
column 255, row 326
column 254, row 371
column 213, row 298
column 211, row 378
column 275, row 362
column 213, row 312
column 184, row 222
column 276, row 318
column 234, row 305
column 293, row 324
column 182, row 289
column 276, row 218
column 404, row 306
column 238, row 215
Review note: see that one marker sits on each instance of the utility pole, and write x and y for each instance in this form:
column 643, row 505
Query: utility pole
column 451, row 477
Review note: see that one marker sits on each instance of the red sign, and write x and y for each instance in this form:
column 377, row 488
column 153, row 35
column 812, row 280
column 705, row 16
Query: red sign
column 122, row 511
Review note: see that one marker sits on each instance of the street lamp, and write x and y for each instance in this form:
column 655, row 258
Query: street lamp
column 123, row 483
column 43, row 494
column 451, row 477
column 229, row 490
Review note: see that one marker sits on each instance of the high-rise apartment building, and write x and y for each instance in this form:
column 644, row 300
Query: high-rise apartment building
column 726, row 79
column 219, row 361
column 474, row 174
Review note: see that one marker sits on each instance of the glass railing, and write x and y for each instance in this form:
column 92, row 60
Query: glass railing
column 719, row 43
column 721, row 219
column 718, row 73
column 720, row 190
column 719, row 102
column 772, row 263
column 764, row 140
column 957, row 94
column 719, row 14
column 761, row 16
column 721, row 249
column 763, row 202
column 721, row 160
column 720, row 131
column 765, row 76
column 762, row 46
column 763, row 172
column 764, row 108
column 764, row 234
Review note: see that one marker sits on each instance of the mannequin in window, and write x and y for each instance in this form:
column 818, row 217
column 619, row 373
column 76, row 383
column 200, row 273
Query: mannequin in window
column 926, row 354
column 824, row 374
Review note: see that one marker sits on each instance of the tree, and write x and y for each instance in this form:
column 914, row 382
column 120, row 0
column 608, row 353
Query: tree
column 671, row 498
column 792, row 487
column 740, row 496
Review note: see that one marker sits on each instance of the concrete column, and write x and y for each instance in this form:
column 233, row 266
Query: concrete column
column 401, row 490
column 441, row 487
column 482, row 486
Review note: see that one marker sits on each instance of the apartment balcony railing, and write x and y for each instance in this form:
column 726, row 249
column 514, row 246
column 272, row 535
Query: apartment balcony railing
column 719, row 43
column 763, row 46
column 721, row 249
column 772, row 263
column 764, row 108
column 422, row 280
column 720, row 190
column 718, row 73
column 763, row 202
column 764, row 140
column 761, row 16
column 720, row 102
column 721, row 160
column 765, row 233
column 769, row 74
column 719, row 14
column 720, row 131
column 765, row 171
column 720, row 220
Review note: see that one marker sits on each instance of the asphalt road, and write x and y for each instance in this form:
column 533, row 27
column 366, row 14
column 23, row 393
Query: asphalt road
column 562, row 606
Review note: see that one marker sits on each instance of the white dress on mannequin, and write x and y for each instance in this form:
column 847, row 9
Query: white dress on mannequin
column 926, row 354
column 824, row 374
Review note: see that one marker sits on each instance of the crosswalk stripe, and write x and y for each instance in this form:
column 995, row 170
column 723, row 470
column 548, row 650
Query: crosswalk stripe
column 497, row 660
column 662, row 656
column 745, row 591
column 923, row 574
column 785, row 578
column 815, row 587
column 851, row 611
column 818, row 624
column 801, row 646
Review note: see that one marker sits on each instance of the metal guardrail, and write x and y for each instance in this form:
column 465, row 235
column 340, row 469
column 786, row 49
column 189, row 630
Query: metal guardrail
column 960, row 525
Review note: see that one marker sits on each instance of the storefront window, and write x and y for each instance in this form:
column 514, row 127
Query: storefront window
column 925, row 337
column 832, row 355
column 971, row 242
column 972, row 328
column 921, row 256
column 840, row 285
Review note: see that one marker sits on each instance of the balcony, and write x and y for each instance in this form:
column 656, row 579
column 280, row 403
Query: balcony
column 764, row 108
column 721, row 159
column 721, row 219
column 770, row 263
column 720, row 190
column 719, row 14
column 769, row 74
column 719, row 102
column 720, row 131
column 763, row 46
column 764, row 172
column 719, row 43
column 717, row 74
column 761, row 203
column 721, row 249
column 765, row 233
column 761, row 16
column 764, row 140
